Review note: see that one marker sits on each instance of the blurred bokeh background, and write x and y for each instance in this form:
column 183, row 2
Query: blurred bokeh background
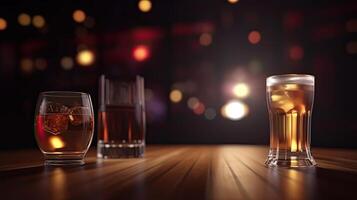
column 204, row 62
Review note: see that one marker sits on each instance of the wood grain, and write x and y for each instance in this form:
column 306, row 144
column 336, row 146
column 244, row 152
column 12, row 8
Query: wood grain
column 180, row 172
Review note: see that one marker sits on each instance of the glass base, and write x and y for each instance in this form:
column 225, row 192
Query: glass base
column 63, row 162
column 113, row 150
column 68, row 158
column 290, row 159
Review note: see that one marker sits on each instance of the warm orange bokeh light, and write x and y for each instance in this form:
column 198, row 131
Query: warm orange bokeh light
column 3, row 24
column 175, row 96
column 254, row 37
column 26, row 65
column 38, row 21
column 79, row 16
column 24, row 19
column 85, row 57
column 144, row 5
column 141, row 53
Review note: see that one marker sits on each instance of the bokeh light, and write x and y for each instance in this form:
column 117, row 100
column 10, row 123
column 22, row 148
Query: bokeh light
column 24, row 19
column 141, row 53
column 210, row 113
column 232, row 1
column 193, row 102
column 234, row 110
column 79, row 16
column 3, row 24
column 254, row 37
column 56, row 142
column 67, row 63
column 145, row 5
column 85, row 57
column 241, row 90
column 200, row 109
column 26, row 65
column 38, row 21
column 296, row 52
column 176, row 96
column 351, row 47
column 205, row 39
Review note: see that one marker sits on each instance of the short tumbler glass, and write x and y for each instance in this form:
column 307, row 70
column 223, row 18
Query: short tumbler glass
column 64, row 126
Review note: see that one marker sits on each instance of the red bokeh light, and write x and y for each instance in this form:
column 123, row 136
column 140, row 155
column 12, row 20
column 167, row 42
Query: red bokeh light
column 141, row 53
column 296, row 52
column 200, row 109
column 254, row 37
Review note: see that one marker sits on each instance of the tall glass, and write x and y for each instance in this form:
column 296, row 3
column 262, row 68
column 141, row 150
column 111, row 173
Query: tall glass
column 121, row 118
column 290, row 100
column 64, row 126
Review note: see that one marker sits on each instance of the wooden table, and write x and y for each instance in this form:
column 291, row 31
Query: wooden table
column 180, row 172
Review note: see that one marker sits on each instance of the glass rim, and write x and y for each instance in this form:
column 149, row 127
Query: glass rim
column 304, row 79
column 63, row 94
column 121, row 79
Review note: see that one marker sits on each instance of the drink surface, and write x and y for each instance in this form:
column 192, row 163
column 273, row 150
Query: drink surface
column 63, row 132
column 290, row 108
column 121, row 124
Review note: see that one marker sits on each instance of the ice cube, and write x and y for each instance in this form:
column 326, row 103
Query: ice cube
column 51, row 107
column 78, row 115
column 55, row 117
column 291, row 86
column 55, row 123
column 282, row 102
column 276, row 97
column 286, row 105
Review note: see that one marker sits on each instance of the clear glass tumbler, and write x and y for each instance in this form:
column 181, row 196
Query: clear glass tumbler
column 64, row 126
column 121, row 118
column 290, row 100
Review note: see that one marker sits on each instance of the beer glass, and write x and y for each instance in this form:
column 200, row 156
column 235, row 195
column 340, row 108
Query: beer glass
column 121, row 118
column 290, row 100
column 64, row 126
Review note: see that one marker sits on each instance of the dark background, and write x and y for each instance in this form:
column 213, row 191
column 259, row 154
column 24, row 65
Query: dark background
column 313, row 37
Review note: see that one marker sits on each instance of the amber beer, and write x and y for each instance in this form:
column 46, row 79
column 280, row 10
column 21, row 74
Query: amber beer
column 290, row 100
